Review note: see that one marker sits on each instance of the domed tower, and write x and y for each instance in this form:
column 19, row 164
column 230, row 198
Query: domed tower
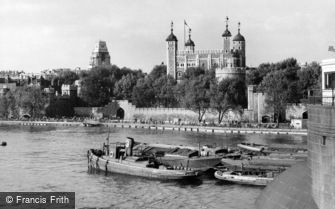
column 172, row 48
column 239, row 46
column 226, row 38
column 189, row 45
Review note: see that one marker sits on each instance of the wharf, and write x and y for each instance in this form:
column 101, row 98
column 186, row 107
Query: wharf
column 167, row 127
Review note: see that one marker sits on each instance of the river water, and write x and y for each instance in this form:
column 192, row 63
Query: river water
column 53, row 159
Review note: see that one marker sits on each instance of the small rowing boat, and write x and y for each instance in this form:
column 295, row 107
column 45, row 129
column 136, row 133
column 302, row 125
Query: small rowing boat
column 252, row 147
column 250, row 177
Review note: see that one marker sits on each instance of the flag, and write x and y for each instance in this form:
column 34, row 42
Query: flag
column 186, row 23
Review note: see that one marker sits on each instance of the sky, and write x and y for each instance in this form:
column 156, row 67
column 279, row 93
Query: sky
column 45, row 34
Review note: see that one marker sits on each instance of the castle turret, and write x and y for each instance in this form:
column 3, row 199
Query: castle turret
column 239, row 46
column 226, row 38
column 189, row 45
column 172, row 47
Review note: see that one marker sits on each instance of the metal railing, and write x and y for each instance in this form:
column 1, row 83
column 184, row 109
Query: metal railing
column 324, row 97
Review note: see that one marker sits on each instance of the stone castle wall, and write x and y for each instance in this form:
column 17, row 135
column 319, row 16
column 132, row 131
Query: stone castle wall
column 131, row 112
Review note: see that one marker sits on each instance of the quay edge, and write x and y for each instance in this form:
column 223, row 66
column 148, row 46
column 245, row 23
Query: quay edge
column 162, row 127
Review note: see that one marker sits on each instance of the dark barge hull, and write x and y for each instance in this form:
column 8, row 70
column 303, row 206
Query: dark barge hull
column 136, row 169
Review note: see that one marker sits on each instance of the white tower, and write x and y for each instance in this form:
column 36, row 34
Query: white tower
column 172, row 47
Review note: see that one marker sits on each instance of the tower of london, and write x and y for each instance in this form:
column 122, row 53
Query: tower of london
column 228, row 61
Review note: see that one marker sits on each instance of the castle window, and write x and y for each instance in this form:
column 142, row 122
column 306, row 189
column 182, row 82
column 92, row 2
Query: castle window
column 323, row 141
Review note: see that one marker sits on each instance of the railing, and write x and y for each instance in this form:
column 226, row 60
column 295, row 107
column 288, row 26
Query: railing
column 324, row 97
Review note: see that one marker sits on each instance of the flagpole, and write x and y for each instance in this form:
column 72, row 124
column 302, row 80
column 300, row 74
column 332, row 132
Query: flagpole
column 184, row 33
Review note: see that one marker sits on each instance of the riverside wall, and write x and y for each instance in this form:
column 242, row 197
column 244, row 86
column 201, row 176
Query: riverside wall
column 166, row 127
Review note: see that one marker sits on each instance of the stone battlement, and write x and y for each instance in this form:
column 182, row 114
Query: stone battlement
column 217, row 51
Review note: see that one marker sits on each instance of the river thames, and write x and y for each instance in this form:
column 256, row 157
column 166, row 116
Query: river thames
column 53, row 159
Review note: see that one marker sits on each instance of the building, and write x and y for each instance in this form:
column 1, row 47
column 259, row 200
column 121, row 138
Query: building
column 100, row 56
column 69, row 90
column 228, row 61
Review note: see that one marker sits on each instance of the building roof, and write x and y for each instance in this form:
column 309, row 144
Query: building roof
column 171, row 37
column 238, row 37
column 189, row 42
column 100, row 46
column 226, row 33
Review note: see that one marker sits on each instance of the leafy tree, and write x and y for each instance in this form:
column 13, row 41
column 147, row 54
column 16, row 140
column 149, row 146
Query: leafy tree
column 31, row 99
column 197, row 95
column 97, row 87
column 275, row 85
column 309, row 78
column 124, row 87
column 229, row 94
column 164, row 91
column 157, row 72
column 143, row 94
column 256, row 75
column 67, row 77
column 192, row 73
column 5, row 104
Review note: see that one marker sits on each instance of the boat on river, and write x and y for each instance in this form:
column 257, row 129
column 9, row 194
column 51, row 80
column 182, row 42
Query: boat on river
column 252, row 147
column 250, row 177
column 92, row 123
column 183, row 157
column 261, row 161
column 118, row 158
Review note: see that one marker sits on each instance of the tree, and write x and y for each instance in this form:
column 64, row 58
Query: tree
column 143, row 94
column 309, row 78
column 229, row 94
column 256, row 75
column 31, row 99
column 97, row 87
column 164, row 91
column 276, row 86
column 197, row 95
column 67, row 77
column 124, row 87
column 5, row 104
column 192, row 73
column 157, row 72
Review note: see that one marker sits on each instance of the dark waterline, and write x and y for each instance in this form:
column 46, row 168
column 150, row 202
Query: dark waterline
column 44, row 159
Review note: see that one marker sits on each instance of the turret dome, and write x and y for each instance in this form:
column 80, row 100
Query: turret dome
column 189, row 42
column 238, row 37
column 171, row 37
column 226, row 33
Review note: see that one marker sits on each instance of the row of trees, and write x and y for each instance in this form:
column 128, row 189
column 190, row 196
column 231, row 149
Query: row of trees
column 199, row 90
column 28, row 100
column 284, row 82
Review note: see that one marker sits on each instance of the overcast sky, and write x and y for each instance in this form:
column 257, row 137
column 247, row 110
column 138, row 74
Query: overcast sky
column 41, row 34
